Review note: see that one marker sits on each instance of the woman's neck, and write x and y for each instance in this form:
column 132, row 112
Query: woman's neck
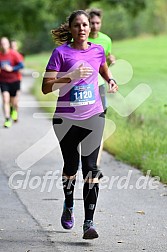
column 80, row 46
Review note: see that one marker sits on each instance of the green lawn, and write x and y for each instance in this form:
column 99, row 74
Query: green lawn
column 140, row 138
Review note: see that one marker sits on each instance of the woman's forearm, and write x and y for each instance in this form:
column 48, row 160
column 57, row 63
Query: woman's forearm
column 105, row 72
column 50, row 85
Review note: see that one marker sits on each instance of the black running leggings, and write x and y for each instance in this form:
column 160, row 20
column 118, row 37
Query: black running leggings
column 88, row 133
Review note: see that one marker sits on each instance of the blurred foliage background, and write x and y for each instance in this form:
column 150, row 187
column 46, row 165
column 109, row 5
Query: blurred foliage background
column 30, row 21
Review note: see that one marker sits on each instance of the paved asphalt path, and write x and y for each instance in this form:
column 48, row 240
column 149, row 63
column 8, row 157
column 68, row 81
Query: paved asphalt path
column 131, row 213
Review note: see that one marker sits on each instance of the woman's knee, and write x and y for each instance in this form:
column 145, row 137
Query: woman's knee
column 92, row 175
column 70, row 172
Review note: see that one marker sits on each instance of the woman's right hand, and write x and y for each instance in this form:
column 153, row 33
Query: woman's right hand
column 81, row 72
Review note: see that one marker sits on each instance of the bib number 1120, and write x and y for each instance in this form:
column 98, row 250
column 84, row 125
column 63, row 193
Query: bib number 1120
column 83, row 95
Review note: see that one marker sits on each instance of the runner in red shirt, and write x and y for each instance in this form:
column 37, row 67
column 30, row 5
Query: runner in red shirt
column 10, row 64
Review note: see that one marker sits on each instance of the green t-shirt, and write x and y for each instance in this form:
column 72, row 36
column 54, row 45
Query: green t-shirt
column 106, row 43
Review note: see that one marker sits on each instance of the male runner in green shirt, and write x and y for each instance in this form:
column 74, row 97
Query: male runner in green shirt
column 102, row 39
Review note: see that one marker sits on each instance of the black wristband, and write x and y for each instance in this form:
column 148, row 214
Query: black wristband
column 112, row 80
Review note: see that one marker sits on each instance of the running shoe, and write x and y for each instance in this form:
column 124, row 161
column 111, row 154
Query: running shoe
column 7, row 123
column 14, row 115
column 67, row 218
column 89, row 231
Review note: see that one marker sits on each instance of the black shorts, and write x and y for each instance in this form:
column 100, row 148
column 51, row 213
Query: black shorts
column 12, row 88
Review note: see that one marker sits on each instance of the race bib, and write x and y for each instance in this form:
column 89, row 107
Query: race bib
column 82, row 95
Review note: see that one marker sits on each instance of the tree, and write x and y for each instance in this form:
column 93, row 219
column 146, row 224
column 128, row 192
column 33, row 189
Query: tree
column 21, row 16
column 30, row 21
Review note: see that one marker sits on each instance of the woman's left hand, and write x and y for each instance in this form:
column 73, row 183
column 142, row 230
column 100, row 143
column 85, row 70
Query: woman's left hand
column 112, row 87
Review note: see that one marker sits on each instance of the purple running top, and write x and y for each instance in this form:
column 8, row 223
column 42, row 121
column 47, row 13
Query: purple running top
column 79, row 99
